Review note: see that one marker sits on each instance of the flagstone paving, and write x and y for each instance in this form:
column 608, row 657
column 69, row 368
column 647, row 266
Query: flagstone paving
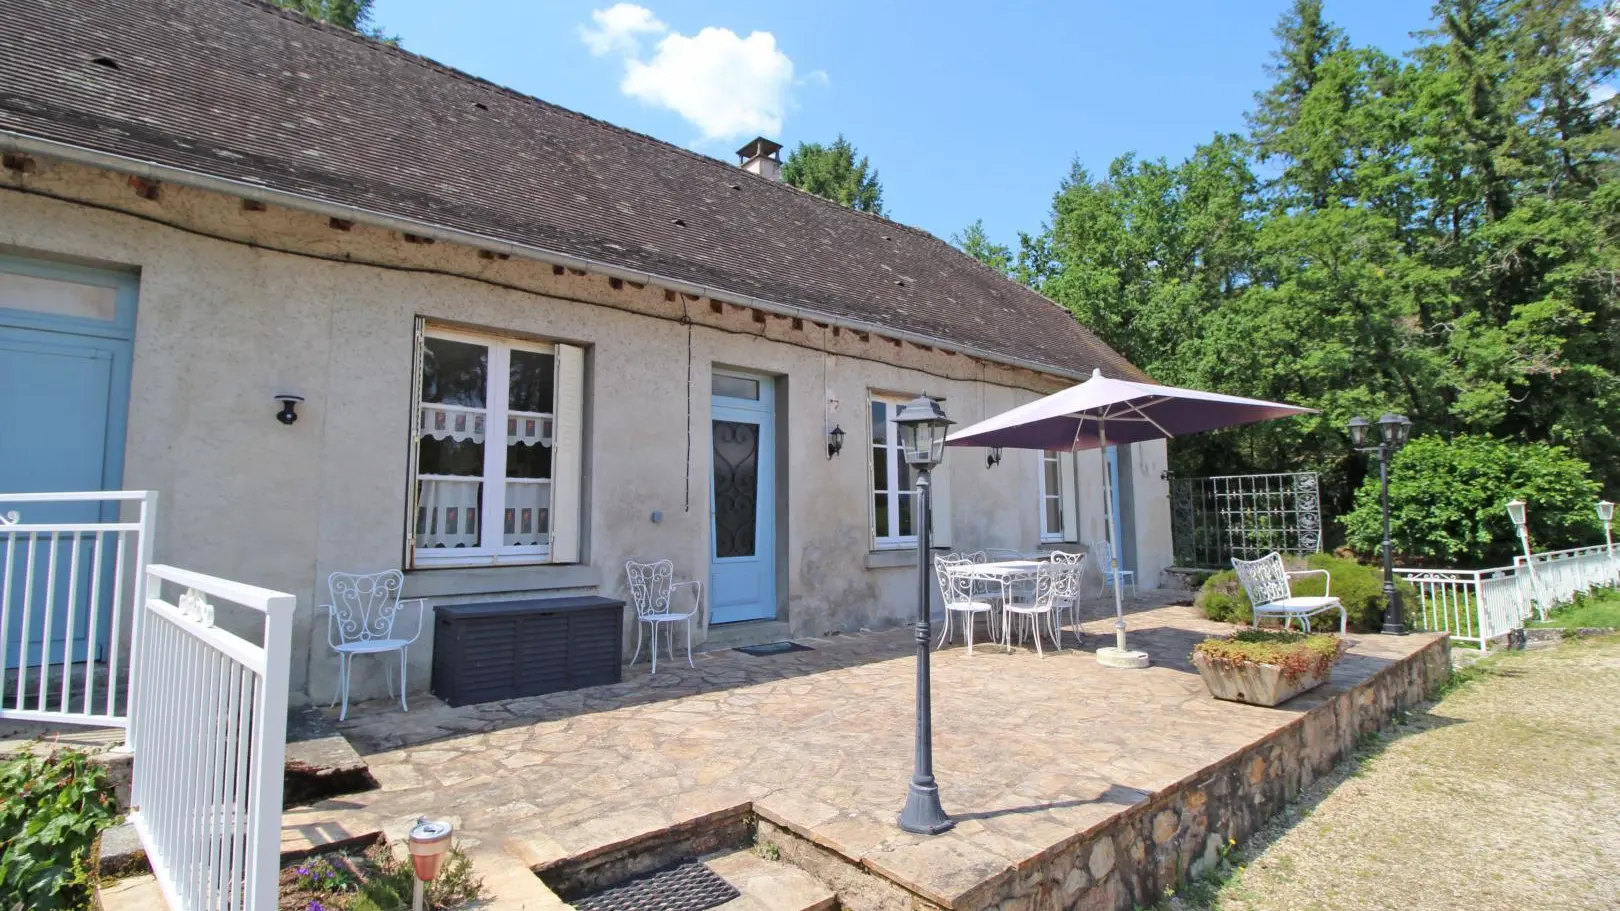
column 1028, row 750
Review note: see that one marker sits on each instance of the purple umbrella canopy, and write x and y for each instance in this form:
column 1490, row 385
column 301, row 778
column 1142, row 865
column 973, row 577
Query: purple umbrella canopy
column 1103, row 411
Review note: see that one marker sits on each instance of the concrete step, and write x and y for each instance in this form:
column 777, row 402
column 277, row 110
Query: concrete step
column 769, row 885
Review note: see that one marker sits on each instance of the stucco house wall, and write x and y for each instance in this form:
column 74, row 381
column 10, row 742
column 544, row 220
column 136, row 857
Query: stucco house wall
column 237, row 305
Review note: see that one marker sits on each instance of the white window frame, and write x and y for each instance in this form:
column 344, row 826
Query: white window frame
column 886, row 538
column 1066, row 496
column 565, row 480
column 1047, row 458
column 940, row 490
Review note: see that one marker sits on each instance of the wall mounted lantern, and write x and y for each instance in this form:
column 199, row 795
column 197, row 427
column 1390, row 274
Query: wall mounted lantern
column 289, row 407
column 835, row 441
column 994, row 458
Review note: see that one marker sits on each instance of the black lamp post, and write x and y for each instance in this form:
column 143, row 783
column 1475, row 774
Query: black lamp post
column 922, row 427
column 1393, row 430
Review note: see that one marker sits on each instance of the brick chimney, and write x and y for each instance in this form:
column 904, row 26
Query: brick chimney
column 760, row 157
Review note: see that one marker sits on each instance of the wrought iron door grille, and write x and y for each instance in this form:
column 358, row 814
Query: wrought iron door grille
column 688, row 886
column 1244, row 516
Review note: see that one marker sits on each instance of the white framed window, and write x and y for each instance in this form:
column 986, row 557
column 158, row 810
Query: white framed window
column 495, row 450
column 1059, row 517
column 894, row 484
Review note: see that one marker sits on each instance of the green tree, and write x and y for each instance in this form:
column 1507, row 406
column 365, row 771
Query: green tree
column 354, row 15
column 973, row 241
column 1447, row 501
column 832, row 171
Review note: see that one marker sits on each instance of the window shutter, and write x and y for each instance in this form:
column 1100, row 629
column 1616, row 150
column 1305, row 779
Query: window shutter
column 941, row 505
column 411, row 505
column 567, row 456
column 1069, row 500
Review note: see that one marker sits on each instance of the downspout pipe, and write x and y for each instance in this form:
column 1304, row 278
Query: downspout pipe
column 11, row 141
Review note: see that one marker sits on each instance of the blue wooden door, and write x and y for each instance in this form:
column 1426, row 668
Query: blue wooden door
column 742, row 500
column 65, row 348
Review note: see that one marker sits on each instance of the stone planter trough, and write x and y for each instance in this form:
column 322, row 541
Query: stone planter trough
column 1255, row 684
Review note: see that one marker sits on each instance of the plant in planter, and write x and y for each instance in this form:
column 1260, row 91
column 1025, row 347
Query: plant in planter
column 1266, row 667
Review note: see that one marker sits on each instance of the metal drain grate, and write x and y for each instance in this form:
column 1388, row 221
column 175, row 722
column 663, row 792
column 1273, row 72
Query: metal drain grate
column 773, row 648
column 688, row 886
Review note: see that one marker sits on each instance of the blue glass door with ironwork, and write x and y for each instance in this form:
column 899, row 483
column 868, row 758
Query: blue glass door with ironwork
column 65, row 349
column 742, row 500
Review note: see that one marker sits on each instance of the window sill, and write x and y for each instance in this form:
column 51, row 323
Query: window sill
column 489, row 580
column 895, row 558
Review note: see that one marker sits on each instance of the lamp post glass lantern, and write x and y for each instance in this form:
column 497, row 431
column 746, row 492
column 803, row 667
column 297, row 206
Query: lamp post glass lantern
column 922, row 425
column 1605, row 511
column 1393, row 432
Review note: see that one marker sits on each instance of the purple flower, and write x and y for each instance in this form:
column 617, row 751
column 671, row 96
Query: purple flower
column 302, row 871
column 316, row 906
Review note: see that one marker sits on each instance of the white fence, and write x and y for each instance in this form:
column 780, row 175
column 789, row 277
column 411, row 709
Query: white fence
column 209, row 727
column 67, row 578
column 1562, row 574
column 1483, row 605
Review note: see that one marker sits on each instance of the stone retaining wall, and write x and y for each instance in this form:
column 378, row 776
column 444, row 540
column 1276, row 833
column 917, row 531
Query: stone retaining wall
column 1130, row 860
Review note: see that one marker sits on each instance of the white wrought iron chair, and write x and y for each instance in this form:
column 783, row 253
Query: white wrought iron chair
column 1069, row 598
column 958, row 589
column 1266, row 581
column 1104, row 549
column 360, row 620
column 1050, row 583
column 652, row 591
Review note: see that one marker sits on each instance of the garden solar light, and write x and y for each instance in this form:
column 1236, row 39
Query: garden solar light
column 429, row 843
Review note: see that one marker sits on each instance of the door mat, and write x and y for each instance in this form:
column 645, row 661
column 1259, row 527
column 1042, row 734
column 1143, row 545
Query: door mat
column 772, row 648
column 688, row 886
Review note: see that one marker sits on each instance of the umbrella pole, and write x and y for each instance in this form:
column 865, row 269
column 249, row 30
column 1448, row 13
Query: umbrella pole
column 1119, row 655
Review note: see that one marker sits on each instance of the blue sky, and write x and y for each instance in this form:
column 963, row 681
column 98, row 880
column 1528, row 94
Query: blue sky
column 968, row 109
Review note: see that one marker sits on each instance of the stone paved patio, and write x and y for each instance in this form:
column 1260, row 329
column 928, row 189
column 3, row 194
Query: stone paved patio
column 1028, row 751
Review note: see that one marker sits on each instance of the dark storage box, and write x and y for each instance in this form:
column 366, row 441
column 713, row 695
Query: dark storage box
column 507, row 649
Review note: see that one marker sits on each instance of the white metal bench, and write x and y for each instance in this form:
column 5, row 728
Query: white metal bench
column 1266, row 581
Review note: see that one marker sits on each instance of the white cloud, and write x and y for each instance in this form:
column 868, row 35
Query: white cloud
column 726, row 85
column 619, row 28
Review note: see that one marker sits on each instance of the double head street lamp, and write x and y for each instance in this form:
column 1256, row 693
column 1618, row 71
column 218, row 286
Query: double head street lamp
column 922, row 426
column 1393, row 431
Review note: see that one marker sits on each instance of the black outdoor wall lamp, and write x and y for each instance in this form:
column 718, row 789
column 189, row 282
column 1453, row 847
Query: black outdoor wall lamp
column 835, row 441
column 289, row 402
column 994, row 458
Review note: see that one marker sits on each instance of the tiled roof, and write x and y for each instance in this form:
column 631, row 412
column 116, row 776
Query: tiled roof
column 243, row 91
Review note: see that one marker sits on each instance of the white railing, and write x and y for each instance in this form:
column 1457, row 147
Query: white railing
column 1475, row 605
column 210, row 732
column 1562, row 574
column 67, row 576
column 1484, row 605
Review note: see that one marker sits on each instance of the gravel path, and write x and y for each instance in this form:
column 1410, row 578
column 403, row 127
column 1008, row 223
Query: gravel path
column 1504, row 795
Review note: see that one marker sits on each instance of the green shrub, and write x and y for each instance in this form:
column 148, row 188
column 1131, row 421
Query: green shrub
column 1359, row 587
column 1447, row 501
column 1296, row 653
column 51, row 810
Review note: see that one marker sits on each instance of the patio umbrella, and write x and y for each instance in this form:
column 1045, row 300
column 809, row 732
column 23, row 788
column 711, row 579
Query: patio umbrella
column 1103, row 411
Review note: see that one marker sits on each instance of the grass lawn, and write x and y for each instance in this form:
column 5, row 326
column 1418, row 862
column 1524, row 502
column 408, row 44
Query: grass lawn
column 1502, row 796
column 1602, row 609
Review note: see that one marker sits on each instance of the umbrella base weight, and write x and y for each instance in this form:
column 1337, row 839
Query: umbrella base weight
column 1109, row 656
